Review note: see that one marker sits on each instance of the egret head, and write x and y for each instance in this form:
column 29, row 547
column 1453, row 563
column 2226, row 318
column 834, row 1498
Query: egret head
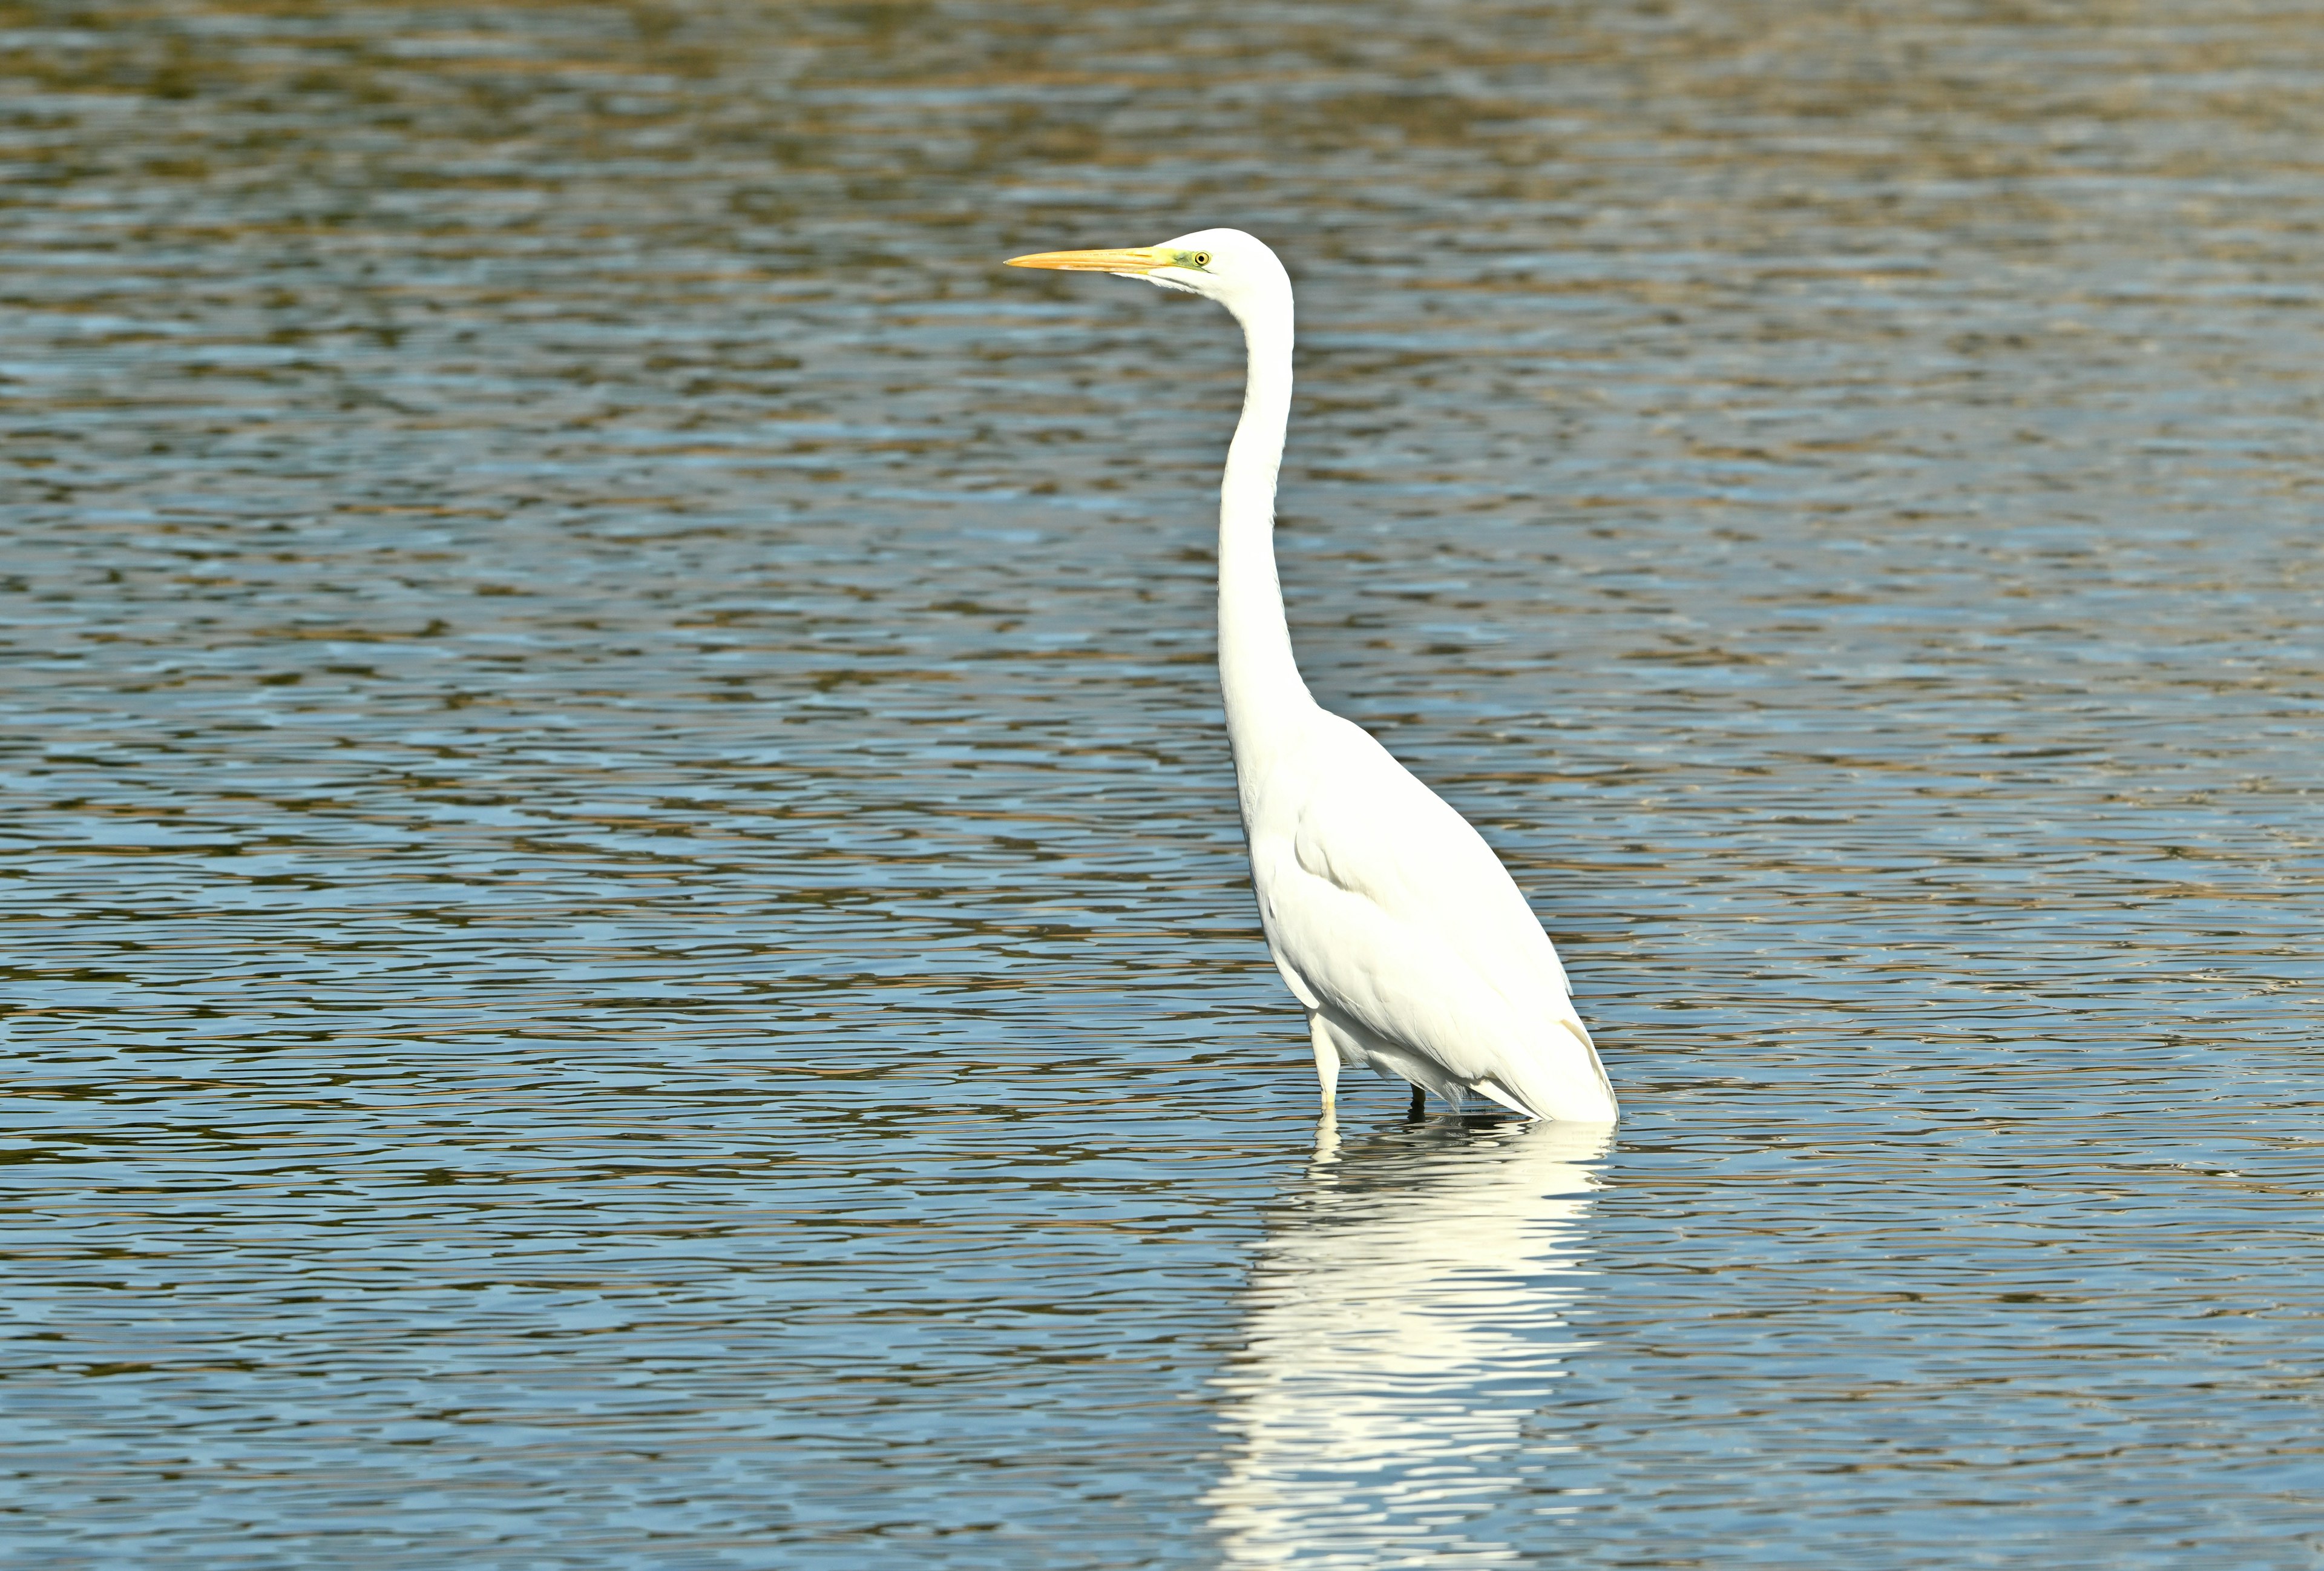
column 1226, row 265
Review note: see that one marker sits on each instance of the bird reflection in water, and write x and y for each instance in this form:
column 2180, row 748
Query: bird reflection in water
column 1406, row 1321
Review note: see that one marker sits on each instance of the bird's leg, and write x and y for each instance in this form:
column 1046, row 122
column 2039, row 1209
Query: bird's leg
column 1419, row 1102
column 1327, row 1058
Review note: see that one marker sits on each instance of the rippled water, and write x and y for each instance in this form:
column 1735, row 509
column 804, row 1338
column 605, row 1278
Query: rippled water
column 629, row 940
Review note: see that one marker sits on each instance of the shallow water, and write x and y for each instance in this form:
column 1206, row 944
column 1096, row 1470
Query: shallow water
column 629, row 940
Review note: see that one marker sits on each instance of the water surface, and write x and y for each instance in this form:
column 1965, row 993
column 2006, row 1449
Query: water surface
column 629, row 943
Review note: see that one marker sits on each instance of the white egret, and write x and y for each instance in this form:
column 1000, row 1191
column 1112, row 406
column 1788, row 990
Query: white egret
column 1390, row 919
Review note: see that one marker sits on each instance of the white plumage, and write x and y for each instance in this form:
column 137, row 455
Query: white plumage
column 1390, row 919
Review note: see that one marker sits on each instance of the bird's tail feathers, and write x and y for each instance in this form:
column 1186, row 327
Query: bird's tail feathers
column 1562, row 1080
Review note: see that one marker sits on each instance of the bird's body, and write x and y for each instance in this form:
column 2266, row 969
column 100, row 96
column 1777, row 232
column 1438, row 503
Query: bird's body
column 1391, row 920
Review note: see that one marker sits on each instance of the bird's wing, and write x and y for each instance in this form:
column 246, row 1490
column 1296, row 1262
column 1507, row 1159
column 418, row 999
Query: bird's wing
column 1389, row 912
column 1366, row 826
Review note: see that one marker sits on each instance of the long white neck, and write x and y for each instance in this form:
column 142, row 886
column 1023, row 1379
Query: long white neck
column 1256, row 670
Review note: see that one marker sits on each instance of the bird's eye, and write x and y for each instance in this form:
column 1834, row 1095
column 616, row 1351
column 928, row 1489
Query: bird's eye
column 1202, row 259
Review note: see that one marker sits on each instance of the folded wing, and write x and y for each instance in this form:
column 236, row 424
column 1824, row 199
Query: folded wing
column 1391, row 915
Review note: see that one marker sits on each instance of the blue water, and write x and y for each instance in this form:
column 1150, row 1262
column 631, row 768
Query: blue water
column 629, row 940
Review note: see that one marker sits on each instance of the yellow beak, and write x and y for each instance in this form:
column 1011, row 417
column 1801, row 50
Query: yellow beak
column 1129, row 264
